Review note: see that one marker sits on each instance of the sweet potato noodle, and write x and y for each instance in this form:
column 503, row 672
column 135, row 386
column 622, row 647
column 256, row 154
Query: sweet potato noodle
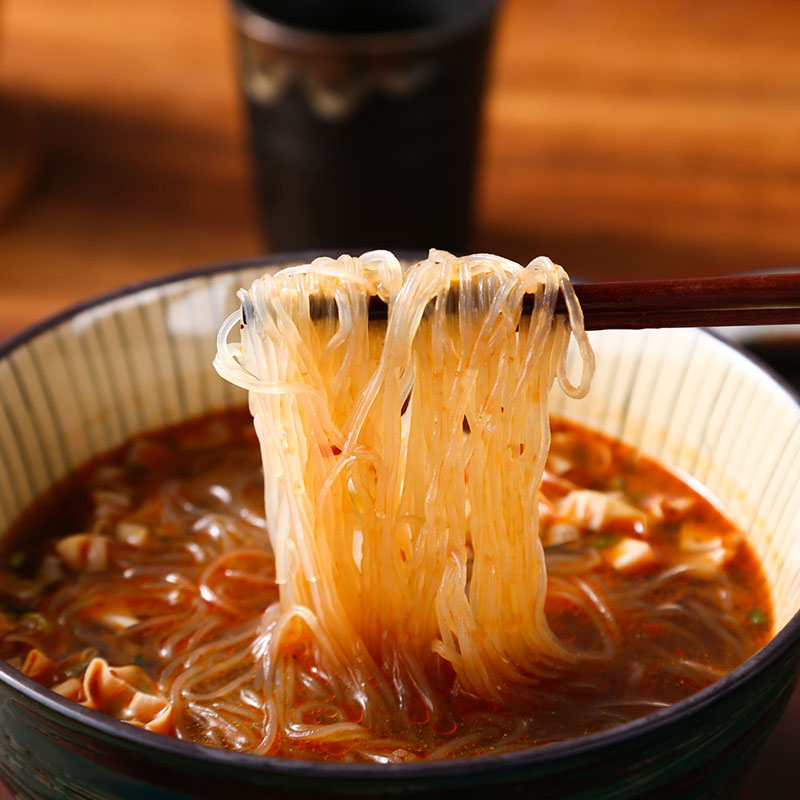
column 393, row 460
column 383, row 595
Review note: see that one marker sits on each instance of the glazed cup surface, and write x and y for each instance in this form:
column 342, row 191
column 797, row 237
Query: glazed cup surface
column 78, row 385
column 370, row 139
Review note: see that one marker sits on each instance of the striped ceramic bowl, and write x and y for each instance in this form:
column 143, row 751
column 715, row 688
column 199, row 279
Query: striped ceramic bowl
column 140, row 358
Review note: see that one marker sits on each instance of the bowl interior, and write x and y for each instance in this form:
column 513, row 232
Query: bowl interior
column 710, row 412
column 142, row 360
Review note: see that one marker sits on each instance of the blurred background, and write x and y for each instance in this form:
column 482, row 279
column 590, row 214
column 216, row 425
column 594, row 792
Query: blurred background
column 622, row 138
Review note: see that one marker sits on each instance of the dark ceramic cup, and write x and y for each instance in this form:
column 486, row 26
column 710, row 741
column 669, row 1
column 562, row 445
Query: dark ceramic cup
column 78, row 384
column 364, row 118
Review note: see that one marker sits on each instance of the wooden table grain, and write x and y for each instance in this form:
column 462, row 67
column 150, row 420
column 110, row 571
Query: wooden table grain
column 623, row 138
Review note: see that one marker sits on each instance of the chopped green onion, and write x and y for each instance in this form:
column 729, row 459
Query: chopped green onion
column 16, row 560
column 140, row 661
column 78, row 668
column 618, row 482
column 33, row 619
column 603, row 540
column 757, row 617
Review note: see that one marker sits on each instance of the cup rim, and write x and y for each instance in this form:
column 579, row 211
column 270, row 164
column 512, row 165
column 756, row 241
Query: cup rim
column 264, row 29
column 486, row 765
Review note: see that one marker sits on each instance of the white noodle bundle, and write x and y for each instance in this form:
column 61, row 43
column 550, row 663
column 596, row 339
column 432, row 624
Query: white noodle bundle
column 402, row 464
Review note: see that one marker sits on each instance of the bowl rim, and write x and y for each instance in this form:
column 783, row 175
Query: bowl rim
column 485, row 765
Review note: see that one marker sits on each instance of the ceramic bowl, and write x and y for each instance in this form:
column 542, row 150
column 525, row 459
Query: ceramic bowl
column 140, row 358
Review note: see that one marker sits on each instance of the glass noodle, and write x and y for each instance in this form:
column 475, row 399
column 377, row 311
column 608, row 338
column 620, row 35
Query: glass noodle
column 402, row 463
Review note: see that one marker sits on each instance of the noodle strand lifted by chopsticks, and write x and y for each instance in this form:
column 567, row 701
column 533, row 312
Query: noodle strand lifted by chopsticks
column 392, row 452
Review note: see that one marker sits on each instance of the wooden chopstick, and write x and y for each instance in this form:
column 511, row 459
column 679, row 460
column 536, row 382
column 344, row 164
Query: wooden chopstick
column 769, row 299
column 690, row 318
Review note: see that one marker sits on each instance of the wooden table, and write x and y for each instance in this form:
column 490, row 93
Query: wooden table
column 624, row 138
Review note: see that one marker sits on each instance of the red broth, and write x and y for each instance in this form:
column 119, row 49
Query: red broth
column 122, row 581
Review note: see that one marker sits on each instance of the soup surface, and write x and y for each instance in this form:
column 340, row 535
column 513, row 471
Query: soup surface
column 135, row 586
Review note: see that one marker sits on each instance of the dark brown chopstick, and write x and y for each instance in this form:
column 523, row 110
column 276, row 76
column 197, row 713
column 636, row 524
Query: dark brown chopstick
column 770, row 299
column 690, row 318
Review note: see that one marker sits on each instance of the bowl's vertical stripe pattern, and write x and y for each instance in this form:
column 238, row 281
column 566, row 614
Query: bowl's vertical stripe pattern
column 135, row 362
column 687, row 399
